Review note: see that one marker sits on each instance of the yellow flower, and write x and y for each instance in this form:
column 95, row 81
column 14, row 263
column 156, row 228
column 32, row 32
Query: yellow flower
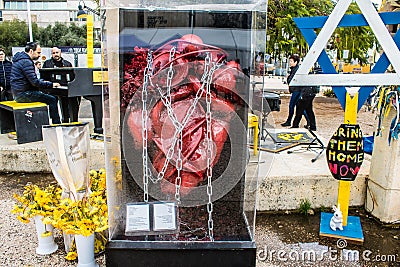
column 47, row 220
column 23, row 219
column 93, row 174
column 86, row 216
column 46, row 234
column 72, row 255
column 35, row 201
column 66, row 202
column 17, row 209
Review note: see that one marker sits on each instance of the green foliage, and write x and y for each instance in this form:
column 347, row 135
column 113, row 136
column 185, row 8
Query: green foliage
column 284, row 32
column 329, row 93
column 15, row 33
column 305, row 206
column 355, row 39
column 324, row 209
column 62, row 35
column 280, row 20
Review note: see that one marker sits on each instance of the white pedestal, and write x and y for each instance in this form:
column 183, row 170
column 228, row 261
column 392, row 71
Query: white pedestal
column 383, row 188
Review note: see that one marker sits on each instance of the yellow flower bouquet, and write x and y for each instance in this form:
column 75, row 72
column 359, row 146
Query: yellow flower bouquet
column 82, row 217
column 85, row 216
column 36, row 201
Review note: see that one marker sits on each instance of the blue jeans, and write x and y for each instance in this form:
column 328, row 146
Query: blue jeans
column 38, row 96
column 294, row 98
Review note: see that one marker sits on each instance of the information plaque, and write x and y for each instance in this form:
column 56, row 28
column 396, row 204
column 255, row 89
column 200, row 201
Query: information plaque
column 151, row 218
column 137, row 217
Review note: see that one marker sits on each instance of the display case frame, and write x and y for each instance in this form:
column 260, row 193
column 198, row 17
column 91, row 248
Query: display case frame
column 217, row 201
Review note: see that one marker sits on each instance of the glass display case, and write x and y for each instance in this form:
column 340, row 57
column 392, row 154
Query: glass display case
column 181, row 175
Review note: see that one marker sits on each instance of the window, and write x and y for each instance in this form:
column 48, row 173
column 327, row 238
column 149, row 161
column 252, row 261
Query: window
column 36, row 5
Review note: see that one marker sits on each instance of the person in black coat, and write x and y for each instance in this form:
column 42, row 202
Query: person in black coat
column 25, row 85
column 5, row 73
column 69, row 105
column 305, row 105
column 294, row 61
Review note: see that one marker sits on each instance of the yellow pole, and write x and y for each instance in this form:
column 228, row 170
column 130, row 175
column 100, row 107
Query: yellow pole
column 350, row 117
column 253, row 123
column 89, row 41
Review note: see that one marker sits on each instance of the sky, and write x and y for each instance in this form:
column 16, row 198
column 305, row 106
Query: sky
column 377, row 1
column 374, row 1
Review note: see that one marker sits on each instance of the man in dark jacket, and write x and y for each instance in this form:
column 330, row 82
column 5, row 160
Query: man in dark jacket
column 25, row 84
column 69, row 105
column 5, row 73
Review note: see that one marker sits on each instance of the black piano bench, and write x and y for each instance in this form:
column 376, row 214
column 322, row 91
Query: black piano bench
column 24, row 118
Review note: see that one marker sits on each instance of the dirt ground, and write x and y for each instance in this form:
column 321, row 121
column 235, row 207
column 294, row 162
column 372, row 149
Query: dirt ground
column 329, row 115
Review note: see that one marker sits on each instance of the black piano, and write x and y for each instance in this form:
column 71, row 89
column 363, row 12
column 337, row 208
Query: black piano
column 78, row 82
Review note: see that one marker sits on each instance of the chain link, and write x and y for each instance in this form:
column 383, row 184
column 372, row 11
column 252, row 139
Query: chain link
column 210, row 152
column 146, row 171
column 178, row 179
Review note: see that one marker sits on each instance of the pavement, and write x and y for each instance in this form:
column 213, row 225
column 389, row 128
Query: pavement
column 32, row 157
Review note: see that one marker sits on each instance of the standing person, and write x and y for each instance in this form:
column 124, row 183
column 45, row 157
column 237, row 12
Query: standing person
column 38, row 66
column 25, row 85
column 69, row 105
column 294, row 90
column 5, row 73
column 305, row 105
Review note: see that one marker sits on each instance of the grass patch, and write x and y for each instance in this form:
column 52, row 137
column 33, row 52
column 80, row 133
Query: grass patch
column 305, row 206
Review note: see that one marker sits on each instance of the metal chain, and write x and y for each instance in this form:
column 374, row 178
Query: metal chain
column 210, row 149
column 146, row 171
column 178, row 179
column 170, row 73
column 178, row 125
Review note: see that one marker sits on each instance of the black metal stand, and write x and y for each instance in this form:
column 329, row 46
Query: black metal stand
column 315, row 146
column 272, row 103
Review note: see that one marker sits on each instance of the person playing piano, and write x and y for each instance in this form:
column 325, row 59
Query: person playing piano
column 25, row 84
column 69, row 105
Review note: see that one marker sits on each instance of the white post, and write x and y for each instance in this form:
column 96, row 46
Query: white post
column 28, row 6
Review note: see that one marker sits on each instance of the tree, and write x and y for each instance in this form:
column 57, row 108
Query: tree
column 285, row 37
column 15, row 33
column 62, row 35
column 355, row 39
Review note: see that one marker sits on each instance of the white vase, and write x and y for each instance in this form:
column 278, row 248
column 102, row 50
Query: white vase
column 85, row 250
column 46, row 245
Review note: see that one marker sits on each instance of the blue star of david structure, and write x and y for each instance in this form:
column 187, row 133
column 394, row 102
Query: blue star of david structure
column 307, row 27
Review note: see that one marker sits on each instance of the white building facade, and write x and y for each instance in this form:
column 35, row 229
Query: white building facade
column 45, row 12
